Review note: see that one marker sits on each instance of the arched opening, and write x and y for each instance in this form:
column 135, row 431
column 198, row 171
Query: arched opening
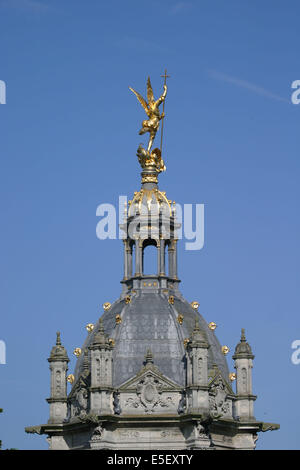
column 149, row 257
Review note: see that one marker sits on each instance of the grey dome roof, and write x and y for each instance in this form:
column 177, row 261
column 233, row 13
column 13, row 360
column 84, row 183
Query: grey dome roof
column 149, row 321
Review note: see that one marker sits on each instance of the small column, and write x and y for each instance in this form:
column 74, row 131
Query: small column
column 138, row 258
column 197, row 374
column 170, row 259
column 244, row 402
column 58, row 391
column 125, row 259
column 129, row 260
column 101, row 373
column 162, row 257
column 158, row 256
column 175, row 259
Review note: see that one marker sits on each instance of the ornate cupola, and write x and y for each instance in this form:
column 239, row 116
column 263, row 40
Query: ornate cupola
column 151, row 373
column 150, row 220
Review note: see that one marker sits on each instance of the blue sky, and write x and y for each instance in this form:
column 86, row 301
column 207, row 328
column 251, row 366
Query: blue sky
column 68, row 143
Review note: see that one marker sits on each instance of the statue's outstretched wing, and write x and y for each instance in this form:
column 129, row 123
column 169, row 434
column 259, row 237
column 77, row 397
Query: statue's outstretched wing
column 150, row 95
column 141, row 100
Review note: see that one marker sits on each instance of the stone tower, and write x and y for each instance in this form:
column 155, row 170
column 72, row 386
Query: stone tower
column 151, row 373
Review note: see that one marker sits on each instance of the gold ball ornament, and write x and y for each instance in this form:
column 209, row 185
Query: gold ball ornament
column 89, row 327
column 225, row 350
column 195, row 305
column 77, row 352
column 70, row 378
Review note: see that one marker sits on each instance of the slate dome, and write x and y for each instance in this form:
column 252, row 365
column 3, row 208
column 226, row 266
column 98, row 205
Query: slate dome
column 150, row 321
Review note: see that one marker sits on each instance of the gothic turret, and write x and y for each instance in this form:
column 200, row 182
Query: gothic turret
column 197, row 372
column 243, row 358
column 101, row 373
column 58, row 392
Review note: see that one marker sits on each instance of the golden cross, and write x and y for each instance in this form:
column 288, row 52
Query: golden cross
column 165, row 76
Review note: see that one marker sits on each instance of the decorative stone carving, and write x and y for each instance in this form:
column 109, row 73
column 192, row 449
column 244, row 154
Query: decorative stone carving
column 97, row 436
column 218, row 402
column 80, row 402
column 116, row 403
column 182, row 403
column 127, row 433
column 149, row 395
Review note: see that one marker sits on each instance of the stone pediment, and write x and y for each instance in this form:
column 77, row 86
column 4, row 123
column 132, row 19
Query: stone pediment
column 150, row 371
column 219, row 381
column 149, row 392
column 83, row 381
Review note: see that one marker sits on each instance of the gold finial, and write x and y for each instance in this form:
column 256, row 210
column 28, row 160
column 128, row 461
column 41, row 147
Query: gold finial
column 171, row 299
column 70, row 378
column 186, row 341
column 106, row 305
column 89, row 327
column 127, row 299
column 77, row 352
column 232, row 376
column 180, row 319
column 225, row 350
column 151, row 125
column 212, row 325
column 111, row 342
column 151, row 108
column 195, row 305
column 118, row 319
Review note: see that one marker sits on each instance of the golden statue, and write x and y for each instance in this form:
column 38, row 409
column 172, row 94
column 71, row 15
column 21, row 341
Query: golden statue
column 151, row 108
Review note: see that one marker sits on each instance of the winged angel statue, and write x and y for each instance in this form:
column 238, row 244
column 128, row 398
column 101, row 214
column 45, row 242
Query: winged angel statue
column 151, row 125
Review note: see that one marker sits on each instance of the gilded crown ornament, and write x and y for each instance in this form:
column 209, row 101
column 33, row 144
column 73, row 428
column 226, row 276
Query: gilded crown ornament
column 148, row 158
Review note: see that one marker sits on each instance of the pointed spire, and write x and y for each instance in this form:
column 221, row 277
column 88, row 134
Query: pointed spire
column 149, row 357
column 100, row 338
column 243, row 349
column 58, row 352
column 58, row 340
column 198, row 337
column 86, row 365
column 101, row 327
column 243, row 337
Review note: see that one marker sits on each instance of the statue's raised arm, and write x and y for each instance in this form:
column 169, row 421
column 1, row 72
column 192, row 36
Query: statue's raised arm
column 163, row 96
